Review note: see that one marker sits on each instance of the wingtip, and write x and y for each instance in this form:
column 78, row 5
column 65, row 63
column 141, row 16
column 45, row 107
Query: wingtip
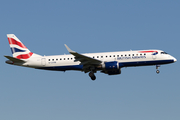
column 69, row 50
column 65, row 45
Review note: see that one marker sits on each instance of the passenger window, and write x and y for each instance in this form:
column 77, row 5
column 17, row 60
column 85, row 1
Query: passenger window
column 106, row 56
column 64, row 58
column 140, row 54
column 129, row 54
column 101, row 56
column 68, row 58
column 52, row 59
column 121, row 55
column 125, row 55
column 117, row 55
column 49, row 59
column 97, row 56
column 56, row 59
column 114, row 55
column 110, row 56
column 144, row 53
column 132, row 54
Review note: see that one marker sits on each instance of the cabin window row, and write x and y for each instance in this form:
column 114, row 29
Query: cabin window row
column 121, row 55
column 99, row 57
column 61, row 59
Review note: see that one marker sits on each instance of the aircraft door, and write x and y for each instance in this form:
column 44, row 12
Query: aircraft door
column 43, row 61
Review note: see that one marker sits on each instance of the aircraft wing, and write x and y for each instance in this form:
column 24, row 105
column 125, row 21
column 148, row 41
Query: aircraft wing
column 85, row 60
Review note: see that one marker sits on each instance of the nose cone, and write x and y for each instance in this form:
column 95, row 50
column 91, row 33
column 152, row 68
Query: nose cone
column 175, row 59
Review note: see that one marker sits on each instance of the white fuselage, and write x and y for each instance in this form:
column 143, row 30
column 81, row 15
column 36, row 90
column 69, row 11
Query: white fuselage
column 107, row 62
column 125, row 58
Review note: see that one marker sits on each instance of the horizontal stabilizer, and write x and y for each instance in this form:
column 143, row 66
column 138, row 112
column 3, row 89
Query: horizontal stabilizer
column 14, row 59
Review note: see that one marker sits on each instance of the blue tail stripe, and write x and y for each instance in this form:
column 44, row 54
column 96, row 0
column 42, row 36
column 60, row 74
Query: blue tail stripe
column 13, row 50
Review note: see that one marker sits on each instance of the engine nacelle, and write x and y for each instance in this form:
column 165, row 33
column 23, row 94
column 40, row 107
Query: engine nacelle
column 111, row 68
column 113, row 72
column 111, row 65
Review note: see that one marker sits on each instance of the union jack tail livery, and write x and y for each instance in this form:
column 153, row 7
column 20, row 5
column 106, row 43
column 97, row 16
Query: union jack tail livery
column 19, row 50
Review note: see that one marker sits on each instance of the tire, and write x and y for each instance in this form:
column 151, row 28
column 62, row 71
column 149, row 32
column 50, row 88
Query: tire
column 157, row 71
column 92, row 76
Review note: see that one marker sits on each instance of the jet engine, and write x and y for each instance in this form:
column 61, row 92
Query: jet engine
column 111, row 68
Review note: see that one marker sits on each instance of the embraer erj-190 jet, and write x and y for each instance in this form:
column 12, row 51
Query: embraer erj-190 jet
column 107, row 62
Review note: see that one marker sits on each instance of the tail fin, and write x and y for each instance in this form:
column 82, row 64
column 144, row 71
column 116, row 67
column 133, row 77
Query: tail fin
column 19, row 50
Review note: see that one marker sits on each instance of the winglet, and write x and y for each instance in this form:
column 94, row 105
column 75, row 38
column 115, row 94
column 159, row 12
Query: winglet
column 69, row 50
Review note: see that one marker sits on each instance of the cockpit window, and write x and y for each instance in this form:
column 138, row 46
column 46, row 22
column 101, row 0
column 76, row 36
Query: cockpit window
column 164, row 53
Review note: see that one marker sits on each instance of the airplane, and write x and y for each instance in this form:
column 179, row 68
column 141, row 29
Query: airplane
column 106, row 62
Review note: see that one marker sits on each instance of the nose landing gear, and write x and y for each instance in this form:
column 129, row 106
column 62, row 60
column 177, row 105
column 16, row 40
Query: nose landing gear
column 157, row 71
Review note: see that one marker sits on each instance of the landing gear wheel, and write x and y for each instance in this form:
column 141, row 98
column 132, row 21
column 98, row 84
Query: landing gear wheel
column 157, row 71
column 92, row 76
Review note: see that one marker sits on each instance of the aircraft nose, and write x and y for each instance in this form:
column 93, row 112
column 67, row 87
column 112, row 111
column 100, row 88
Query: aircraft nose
column 175, row 59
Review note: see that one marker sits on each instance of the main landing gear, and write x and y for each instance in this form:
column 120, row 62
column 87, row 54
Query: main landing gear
column 157, row 71
column 92, row 76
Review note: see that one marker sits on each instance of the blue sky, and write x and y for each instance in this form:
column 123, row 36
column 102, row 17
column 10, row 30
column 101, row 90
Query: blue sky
column 90, row 26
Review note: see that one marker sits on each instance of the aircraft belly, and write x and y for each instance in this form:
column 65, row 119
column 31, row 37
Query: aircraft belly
column 62, row 68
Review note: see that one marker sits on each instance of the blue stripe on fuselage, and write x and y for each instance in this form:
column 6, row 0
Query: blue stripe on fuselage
column 63, row 68
column 122, row 64
column 146, row 63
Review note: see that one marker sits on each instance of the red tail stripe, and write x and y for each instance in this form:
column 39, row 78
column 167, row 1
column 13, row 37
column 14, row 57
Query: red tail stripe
column 14, row 42
column 146, row 51
column 24, row 56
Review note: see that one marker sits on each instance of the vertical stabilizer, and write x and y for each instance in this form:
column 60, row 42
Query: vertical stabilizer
column 19, row 50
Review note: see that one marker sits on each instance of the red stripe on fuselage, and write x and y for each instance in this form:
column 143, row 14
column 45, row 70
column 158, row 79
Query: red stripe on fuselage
column 14, row 42
column 147, row 51
column 24, row 56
